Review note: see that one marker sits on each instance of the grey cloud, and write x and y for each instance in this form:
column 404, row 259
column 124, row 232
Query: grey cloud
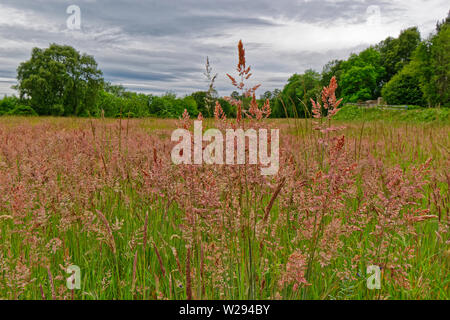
column 159, row 46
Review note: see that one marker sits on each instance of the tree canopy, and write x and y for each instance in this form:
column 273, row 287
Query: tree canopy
column 59, row 81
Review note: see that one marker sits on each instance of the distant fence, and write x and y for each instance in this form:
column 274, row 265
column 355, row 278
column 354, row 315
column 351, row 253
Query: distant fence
column 383, row 106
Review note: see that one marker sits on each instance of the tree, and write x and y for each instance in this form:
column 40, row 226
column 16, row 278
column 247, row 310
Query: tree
column 404, row 88
column 276, row 93
column 359, row 83
column 432, row 62
column 200, row 98
column 59, row 81
column 169, row 106
column 109, row 103
column 294, row 100
column 235, row 95
column 211, row 94
column 396, row 53
column 227, row 108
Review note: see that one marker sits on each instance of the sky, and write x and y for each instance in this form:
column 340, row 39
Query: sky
column 161, row 46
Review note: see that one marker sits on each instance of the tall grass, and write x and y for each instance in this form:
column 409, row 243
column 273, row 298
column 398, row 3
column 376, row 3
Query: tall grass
column 105, row 196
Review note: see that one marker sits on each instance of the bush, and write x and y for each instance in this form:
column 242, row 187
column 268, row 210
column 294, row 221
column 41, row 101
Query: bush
column 22, row 110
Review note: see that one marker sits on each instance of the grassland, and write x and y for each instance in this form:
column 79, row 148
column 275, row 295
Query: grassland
column 105, row 196
column 412, row 114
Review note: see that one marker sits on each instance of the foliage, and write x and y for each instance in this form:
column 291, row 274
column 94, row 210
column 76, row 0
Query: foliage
column 397, row 68
column 59, row 81
column 396, row 52
column 359, row 83
column 404, row 88
column 414, row 114
column 432, row 62
column 200, row 98
column 21, row 110
column 169, row 106
column 362, row 75
column 210, row 95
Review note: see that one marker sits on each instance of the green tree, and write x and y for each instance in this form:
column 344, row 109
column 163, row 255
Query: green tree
column 117, row 90
column 59, row 81
column 397, row 52
column 235, row 95
column 169, row 106
column 227, row 108
column 445, row 21
column 266, row 95
column 294, row 100
column 190, row 105
column 440, row 64
column 109, row 103
column 432, row 62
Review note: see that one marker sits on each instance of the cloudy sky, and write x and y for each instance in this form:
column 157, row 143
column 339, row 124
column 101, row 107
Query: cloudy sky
column 157, row 46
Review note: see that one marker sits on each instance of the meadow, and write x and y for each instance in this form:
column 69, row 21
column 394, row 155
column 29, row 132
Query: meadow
column 103, row 194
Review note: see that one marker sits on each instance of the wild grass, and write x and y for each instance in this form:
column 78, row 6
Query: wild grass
column 411, row 115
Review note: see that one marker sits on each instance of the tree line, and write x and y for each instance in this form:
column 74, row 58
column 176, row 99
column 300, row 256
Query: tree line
column 60, row 81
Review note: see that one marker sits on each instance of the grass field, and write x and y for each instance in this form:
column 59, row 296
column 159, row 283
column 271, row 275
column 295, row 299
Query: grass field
column 412, row 114
column 104, row 195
